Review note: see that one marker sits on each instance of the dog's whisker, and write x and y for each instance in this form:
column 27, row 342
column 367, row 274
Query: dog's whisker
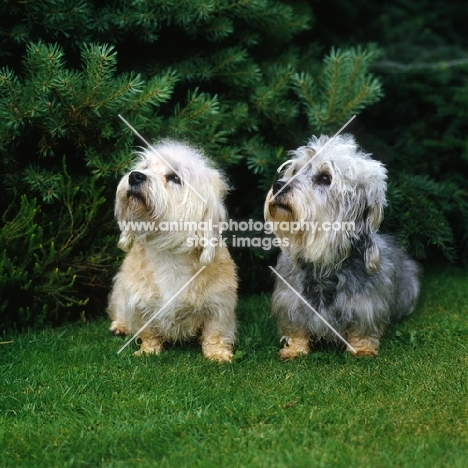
column 286, row 163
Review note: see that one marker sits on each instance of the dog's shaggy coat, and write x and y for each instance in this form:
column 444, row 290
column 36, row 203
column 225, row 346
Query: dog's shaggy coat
column 357, row 280
column 174, row 183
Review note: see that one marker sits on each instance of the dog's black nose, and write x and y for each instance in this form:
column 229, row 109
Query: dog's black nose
column 136, row 178
column 278, row 185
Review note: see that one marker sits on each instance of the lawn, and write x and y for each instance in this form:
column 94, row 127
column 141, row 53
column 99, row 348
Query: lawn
column 69, row 400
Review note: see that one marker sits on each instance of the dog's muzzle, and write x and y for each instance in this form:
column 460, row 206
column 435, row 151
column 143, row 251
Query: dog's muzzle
column 279, row 200
column 280, row 186
column 136, row 178
column 135, row 182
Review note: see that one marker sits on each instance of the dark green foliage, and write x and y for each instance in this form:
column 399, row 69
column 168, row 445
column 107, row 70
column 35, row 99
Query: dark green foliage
column 418, row 212
column 420, row 127
column 239, row 79
column 345, row 82
column 62, row 149
column 432, row 146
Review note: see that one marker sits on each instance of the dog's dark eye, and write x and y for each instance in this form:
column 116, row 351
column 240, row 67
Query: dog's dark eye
column 323, row 179
column 173, row 178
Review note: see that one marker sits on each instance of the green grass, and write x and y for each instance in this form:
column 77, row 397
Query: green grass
column 67, row 398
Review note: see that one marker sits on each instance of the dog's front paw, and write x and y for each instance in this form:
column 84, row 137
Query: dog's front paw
column 364, row 352
column 219, row 354
column 363, row 346
column 216, row 349
column 118, row 328
column 151, row 346
column 294, row 347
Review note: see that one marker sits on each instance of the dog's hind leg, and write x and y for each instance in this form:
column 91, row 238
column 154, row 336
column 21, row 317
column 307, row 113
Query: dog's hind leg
column 362, row 345
column 294, row 346
column 217, row 340
column 119, row 328
column 117, row 312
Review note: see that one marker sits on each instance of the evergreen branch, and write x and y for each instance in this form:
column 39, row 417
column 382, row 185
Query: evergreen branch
column 418, row 66
column 97, row 72
column 220, row 28
column 282, row 78
column 333, row 92
column 269, row 15
column 21, row 225
column 361, row 59
column 46, row 183
column 44, row 59
column 11, row 84
column 353, row 104
column 235, row 5
column 233, row 55
column 304, row 85
column 158, row 89
column 119, row 92
column 70, row 191
column 354, row 72
column 68, row 81
column 200, row 111
column 270, row 99
column 193, row 98
column 369, row 93
column 335, row 60
column 234, row 70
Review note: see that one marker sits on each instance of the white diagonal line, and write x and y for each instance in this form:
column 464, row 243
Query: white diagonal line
column 133, row 129
column 313, row 310
column 310, row 160
column 162, row 308
column 159, row 155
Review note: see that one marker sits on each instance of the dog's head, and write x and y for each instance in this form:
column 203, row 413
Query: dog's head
column 329, row 195
column 172, row 194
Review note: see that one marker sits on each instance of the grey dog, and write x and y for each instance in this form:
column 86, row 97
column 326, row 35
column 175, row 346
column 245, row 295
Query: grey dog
column 326, row 208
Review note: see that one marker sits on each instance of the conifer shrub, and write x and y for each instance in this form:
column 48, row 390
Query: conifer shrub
column 242, row 79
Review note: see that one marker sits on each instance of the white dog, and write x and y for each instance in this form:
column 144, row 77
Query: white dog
column 177, row 274
column 355, row 279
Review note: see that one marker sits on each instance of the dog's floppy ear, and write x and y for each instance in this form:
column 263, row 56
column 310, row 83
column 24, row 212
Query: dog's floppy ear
column 125, row 241
column 126, row 238
column 373, row 215
column 371, row 254
column 214, row 213
column 211, row 220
